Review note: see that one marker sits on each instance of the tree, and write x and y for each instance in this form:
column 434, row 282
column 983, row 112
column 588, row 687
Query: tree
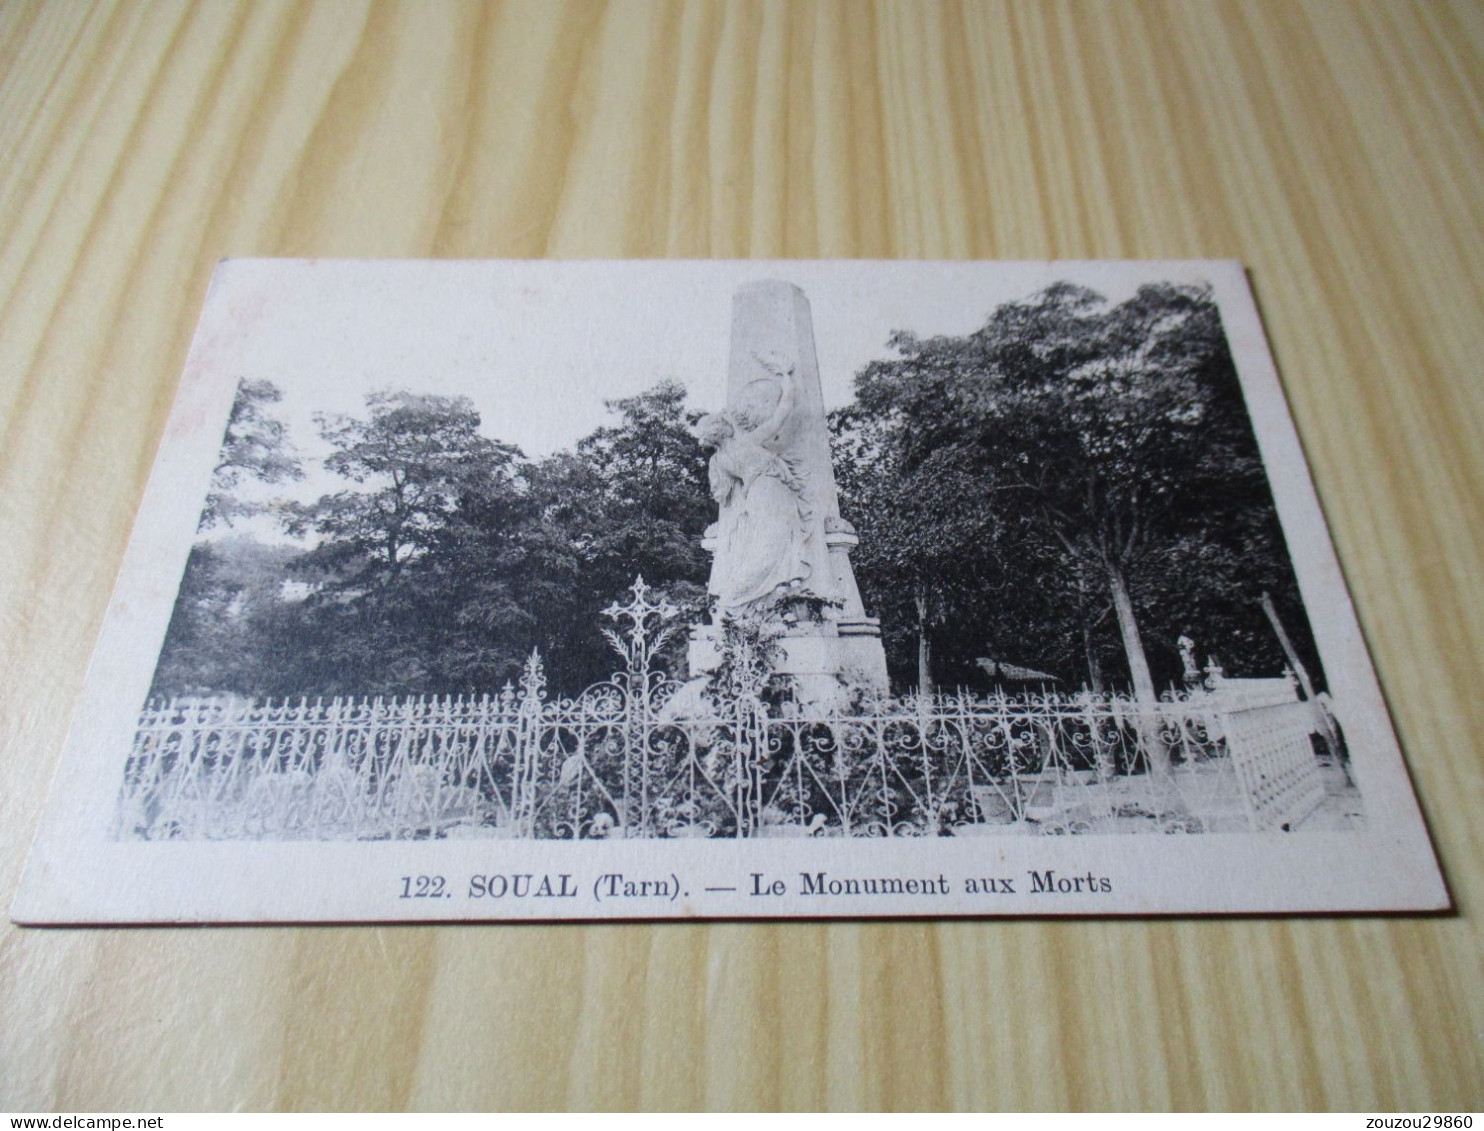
column 653, row 502
column 254, row 446
column 207, row 646
column 631, row 498
column 446, row 556
column 416, row 456
column 216, row 641
column 384, row 614
column 1113, row 443
column 927, row 534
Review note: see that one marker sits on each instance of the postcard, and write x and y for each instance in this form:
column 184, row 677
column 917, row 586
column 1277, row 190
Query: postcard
column 653, row 590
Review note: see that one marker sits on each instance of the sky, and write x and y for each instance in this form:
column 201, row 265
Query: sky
column 539, row 345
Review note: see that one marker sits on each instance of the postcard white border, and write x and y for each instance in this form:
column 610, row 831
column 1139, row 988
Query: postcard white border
column 77, row 875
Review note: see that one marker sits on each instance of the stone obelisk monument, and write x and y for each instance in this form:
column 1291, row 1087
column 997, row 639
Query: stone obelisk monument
column 779, row 539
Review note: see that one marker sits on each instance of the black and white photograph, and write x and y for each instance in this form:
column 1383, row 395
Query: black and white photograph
column 636, row 590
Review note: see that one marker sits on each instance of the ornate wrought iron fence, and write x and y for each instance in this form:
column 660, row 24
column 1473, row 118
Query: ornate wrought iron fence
column 633, row 757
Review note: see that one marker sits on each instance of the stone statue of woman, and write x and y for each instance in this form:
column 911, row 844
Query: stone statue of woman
column 763, row 522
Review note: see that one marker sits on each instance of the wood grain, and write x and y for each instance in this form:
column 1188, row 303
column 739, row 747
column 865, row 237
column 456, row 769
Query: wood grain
column 1337, row 148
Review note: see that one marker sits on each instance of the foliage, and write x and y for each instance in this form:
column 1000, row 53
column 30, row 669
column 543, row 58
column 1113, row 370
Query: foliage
column 1068, row 457
column 220, row 633
column 1069, row 488
column 926, row 527
column 447, row 557
column 631, row 498
column 749, row 649
column 381, row 612
column 255, row 446
column 414, row 458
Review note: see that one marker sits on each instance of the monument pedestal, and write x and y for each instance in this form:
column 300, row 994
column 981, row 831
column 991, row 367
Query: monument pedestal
column 824, row 663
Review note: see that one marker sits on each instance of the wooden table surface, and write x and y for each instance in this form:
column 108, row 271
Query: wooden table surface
column 1337, row 148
